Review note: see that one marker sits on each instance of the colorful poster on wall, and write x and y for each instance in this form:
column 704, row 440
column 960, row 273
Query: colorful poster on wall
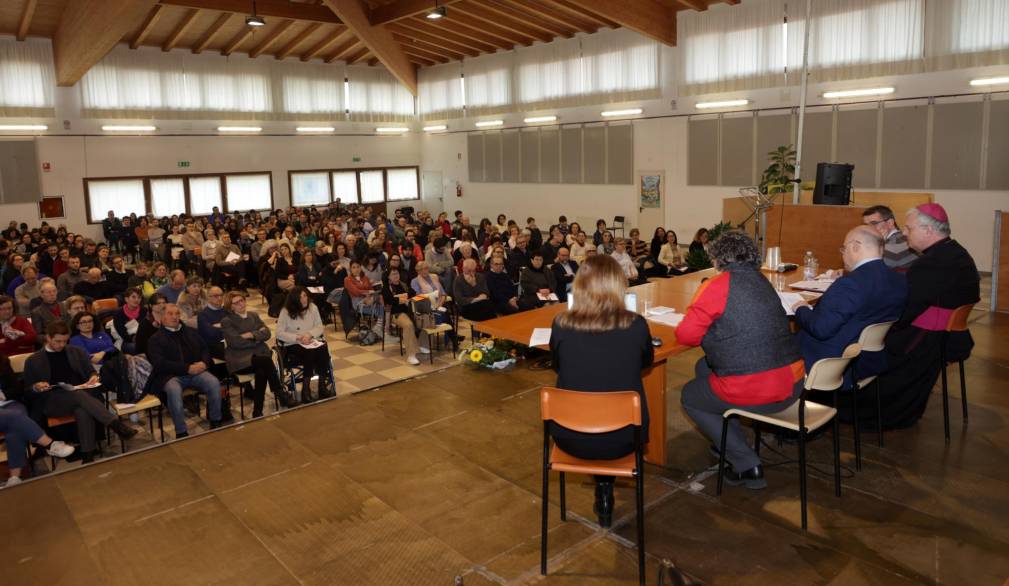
column 51, row 208
column 651, row 185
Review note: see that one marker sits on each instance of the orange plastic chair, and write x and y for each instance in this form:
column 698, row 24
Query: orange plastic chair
column 957, row 323
column 592, row 412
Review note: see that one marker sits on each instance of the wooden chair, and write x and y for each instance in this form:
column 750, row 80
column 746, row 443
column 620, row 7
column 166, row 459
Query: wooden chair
column 957, row 323
column 871, row 339
column 423, row 308
column 103, row 306
column 802, row 417
column 146, row 403
column 592, row 413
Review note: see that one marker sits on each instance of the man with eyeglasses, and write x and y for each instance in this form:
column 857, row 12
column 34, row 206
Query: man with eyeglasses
column 868, row 293
column 896, row 253
column 503, row 291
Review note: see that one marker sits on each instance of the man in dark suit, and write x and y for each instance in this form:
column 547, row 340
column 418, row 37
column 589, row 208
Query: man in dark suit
column 868, row 293
column 564, row 273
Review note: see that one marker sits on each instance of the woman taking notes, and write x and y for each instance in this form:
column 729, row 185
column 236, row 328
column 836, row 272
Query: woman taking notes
column 599, row 346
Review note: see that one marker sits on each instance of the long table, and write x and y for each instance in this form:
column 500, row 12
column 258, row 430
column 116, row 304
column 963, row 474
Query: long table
column 675, row 292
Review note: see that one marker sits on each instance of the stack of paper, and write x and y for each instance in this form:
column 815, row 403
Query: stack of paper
column 550, row 297
column 819, row 286
column 540, row 337
column 661, row 310
column 789, row 299
column 668, row 319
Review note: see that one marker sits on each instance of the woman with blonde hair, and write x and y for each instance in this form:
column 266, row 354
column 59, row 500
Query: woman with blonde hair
column 599, row 346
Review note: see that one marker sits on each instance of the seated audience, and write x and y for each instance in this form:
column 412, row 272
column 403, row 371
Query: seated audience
column 579, row 248
column 11, row 272
column 127, row 319
column 118, row 279
column 943, row 278
column 59, row 362
column 536, row 281
column 606, row 244
column 140, row 281
column 150, row 326
column 69, row 278
column 361, row 290
column 700, row 239
column 48, row 311
column 299, row 329
column 19, row 431
column 17, row 336
column 91, row 339
column 180, row 360
column 440, row 262
column 396, row 294
column 192, row 301
column 601, row 231
column 228, row 261
column 896, row 253
column 208, row 322
column 175, row 286
column 626, row 262
column 471, row 294
column 29, row 291
column 74, row 304
column 599, row 346
column 92, row 286
column 750, row 357
column 246, row 351
column 503, row 292
column 638, row 249
column 658, row 239
column 670, row 256
column 564, row 270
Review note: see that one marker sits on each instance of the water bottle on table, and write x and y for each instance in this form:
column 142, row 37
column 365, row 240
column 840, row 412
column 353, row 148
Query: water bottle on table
column 810, row 265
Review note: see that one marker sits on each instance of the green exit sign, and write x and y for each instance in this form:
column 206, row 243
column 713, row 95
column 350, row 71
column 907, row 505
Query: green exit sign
column 184, row 163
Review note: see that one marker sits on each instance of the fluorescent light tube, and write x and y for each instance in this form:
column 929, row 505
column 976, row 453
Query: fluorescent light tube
column 627, row 112
column 435, row 128
column 538, row 119
column 239, row 129
column 872, row 91
column 990, row 80
column 486, row 123
column 127, row 128
column 23, row 127
column 311, row 129
column 721, row 104
column 392, row 130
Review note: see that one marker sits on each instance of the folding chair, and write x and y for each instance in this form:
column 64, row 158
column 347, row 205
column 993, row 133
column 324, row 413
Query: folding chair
column 957, row 323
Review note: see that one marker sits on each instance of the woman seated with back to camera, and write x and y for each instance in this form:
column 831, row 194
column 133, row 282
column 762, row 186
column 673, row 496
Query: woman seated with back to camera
column 396, row 294
column 298, row 326
column 246, row 351
column 599, row 346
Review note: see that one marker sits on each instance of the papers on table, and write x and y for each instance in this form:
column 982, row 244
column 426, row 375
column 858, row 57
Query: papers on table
column 550, row 297
column 232, row 257
column 660, row 310
column 540, row 337
column 788, row 300
column 818, row 286
column 311, row 345
column 317, row 289
column 671, row 319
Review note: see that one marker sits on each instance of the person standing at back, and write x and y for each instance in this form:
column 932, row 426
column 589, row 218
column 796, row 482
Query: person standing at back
column 599, row 346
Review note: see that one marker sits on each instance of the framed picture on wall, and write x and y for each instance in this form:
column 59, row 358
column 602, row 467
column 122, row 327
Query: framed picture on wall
column 651, row 185
column 52, row 208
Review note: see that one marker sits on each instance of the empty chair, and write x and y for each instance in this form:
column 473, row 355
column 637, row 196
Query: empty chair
column 802, row 417
column 957, row 323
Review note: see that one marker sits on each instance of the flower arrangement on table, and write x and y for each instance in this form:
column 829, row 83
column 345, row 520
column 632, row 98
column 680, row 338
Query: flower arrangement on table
column 491, row 353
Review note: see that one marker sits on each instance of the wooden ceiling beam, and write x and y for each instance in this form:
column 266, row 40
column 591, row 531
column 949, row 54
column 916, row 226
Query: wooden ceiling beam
column 271, row 38
column 325, row 43
column 27, row 13
column 242, row 36
column 373, row 62
column 432, row 41
column 401, row 9
column 418, row 52
column 378, row 40
column 491, row 29
column 358, row 55
column 88, row 30
column 442, row 38
column 343, row 50
column 145, row 29
column 698, row 5
column 265, row 8
column 576, row 12
column 543, row 11
column 298, row 39
column 647, row 17
column 187, row 21
column 551, row 28
column 457, row 28
column 212, row 32
column 506, row 23
column 407, row 42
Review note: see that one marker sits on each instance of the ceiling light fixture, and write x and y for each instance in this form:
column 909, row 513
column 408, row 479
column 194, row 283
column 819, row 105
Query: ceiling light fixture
column 990, row 80
column 392, row 130
column 872, row 91
column 435, row 128
column 540, row 119
column 23, row 127
column 239, row 129
column 127, row 128
column 486, row 123
column 438, row 12
column 254, row 19
column 721, row 104
column 316, row 129
column 627, row 112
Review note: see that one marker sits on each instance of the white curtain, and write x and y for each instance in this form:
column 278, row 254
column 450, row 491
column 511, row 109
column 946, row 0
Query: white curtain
column 727, row 48
column 309, row 189
column 204, row 195
column 852, row 39
column 122, row 196
column 312, row 88
column 168, row 197
column 345, row 186
column 377, row 96
column 549, row 75
column 966, row 33
column 402, row 184
column 439, row 91
column 26, row 78
column 488, row 83
column 249, row 192
column 620, row 65
column 372, row 187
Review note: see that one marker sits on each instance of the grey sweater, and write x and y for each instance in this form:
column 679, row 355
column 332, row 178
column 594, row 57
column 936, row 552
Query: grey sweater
column 239, row 351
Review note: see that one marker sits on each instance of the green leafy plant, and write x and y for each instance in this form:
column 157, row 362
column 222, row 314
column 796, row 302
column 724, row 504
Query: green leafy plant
column 697, row 259
column 779, row 172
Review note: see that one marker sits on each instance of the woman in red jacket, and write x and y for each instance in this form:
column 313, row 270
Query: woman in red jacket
column 17, row 336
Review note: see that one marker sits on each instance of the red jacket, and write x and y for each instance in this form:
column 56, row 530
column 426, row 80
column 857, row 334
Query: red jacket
column 23, row 344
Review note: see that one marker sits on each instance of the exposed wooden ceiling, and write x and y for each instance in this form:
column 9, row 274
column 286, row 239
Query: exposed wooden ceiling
column 394, row 33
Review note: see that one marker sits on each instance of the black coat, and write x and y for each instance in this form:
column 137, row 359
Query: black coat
column 562, row 279
column 171, row 353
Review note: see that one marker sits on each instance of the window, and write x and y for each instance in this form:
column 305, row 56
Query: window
column 488, row 85
column 249, row 192
column 204, row 195
column 26, row 78
column 402, row 184
column 122, row 196
column 310, row 189
column 372, row 186
column 439, row 94
column 168, row 197
column 345, row 186
column 377, row 96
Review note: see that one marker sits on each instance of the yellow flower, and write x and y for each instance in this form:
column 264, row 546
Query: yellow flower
column 476, row 356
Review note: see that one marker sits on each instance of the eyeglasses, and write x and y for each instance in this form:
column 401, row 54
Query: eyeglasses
column 85, row 321
column 875, row 222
